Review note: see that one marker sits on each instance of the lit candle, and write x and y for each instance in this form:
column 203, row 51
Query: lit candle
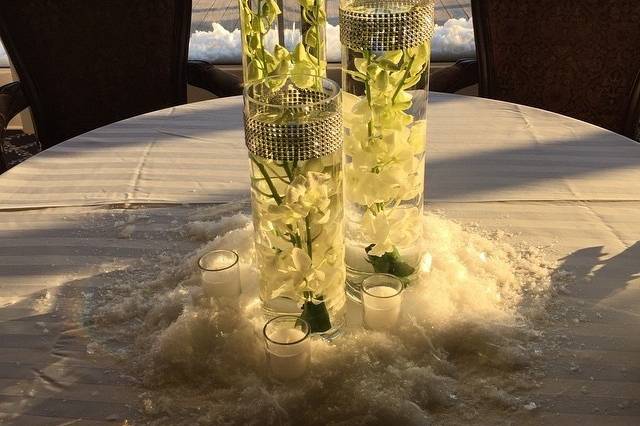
column 287, row 346
column 220, row 273
column 381, row 301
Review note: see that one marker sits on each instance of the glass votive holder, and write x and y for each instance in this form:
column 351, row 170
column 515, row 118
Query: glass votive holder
column 381, row 301
column 287, row 346
column 220, row 273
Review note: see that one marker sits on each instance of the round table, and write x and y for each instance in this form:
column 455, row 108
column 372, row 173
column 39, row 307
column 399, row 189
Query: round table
column 109, row 196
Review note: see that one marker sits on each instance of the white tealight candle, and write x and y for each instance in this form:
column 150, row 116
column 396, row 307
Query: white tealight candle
column 288, row 348
column 287, row 362
column 381, row 301
column 220, row 273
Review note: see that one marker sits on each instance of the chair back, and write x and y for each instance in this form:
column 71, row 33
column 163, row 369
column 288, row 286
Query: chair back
column 84, row 64
column 575, row 57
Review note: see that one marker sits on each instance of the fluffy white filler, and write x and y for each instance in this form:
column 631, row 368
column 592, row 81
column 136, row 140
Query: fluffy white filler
column 464, row 350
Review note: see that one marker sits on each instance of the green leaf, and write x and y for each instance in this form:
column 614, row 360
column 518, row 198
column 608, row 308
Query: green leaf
column 381, row 264
column 389, row 263
column 402, row 269
column 316, row 315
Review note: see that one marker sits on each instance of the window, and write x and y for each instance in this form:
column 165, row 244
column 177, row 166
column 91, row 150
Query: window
column 4, row 59
column 453, row 38
column 215, row 33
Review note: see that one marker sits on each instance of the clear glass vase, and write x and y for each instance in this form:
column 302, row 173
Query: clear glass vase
column 385, row 75
column 283, row 37
column 294, row 136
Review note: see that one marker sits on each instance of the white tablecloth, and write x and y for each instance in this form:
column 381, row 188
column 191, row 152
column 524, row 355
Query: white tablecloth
column 552, row 181
column 479, row 151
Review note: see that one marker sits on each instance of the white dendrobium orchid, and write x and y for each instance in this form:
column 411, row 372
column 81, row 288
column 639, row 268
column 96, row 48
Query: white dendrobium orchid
column 367, row 187
column 391, row 228
column 309, row 194
column 304, row 196
column 273, row 265
column 355, row 111
column 300, row 233
column 301, row 274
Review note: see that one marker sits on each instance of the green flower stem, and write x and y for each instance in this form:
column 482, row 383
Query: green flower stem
column 316, row 14
column 288, row 169
column 312, row 18
column 315, row 314
column 264, row 194
column 296, row 239
column 280, row 18
column 307, row 225
column 280, row 177
column 389, row 262
column 404, row 77
column 367, row 90
column 370, row 124
column 261, row 44
column 272, row 187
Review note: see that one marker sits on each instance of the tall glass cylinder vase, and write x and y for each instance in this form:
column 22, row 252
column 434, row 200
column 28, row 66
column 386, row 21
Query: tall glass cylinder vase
column 283, row 37
column 385, row 73
column 294, row 136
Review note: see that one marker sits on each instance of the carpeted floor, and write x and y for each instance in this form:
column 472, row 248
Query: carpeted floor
column 18, row 146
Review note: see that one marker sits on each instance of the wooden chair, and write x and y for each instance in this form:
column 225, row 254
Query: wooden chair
column 84, row 64
column 574, row 57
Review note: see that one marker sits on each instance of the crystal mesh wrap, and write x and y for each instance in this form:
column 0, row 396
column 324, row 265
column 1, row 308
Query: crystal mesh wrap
column 296, row 141
column 386, row 31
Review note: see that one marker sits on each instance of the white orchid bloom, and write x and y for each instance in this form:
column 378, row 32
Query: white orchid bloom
column 310, row 194
column 301, row 273
column 355, row 111
column 392, row 228
column 377, row 228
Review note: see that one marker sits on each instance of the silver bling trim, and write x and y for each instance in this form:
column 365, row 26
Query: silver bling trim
column 404, row 24
column 311, row 138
